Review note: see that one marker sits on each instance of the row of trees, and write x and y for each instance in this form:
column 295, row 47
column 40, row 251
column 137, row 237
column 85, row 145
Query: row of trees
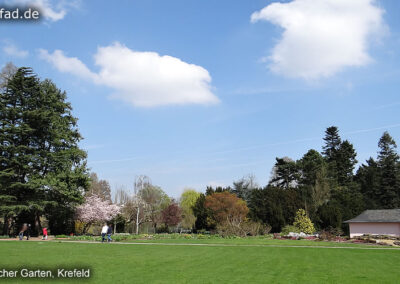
column 149, row 205
column 323, row 184
column 43, row 176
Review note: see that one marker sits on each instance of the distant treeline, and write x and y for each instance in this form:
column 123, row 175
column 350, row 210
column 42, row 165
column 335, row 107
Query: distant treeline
column 44, row 177
column 324, row 184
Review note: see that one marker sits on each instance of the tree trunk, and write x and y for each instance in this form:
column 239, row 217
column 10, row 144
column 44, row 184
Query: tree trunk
column 5, row 225
column 38, row 226
column 137, row 221
column 86, row 228
column 11, row 225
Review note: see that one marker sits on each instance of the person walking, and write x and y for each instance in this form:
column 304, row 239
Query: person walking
column 109, row 232
column 28, row 232
column 104, row 231
column 22, row 231
column 44, row 234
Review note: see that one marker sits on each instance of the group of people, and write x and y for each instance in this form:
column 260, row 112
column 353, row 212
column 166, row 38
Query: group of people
column 106, row 231
column 26, row 231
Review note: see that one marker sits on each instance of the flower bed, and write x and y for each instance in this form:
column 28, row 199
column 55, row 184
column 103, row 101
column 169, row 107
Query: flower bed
column 175, row 236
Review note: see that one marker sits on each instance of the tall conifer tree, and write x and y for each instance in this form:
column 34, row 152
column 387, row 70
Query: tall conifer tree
column 345, row 162
column 332, row 143
column 42, row 169
column 388, row 161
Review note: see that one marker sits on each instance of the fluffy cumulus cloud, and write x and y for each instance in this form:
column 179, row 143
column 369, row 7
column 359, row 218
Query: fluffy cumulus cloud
column 143, row 79
column 51, row 10
column 321, row 37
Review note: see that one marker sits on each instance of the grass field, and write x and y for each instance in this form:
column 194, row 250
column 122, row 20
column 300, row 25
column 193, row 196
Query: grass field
column 135, row 263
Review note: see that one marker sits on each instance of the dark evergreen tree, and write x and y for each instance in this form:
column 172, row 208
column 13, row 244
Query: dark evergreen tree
column 41, row 165
column 210, row 190
column 368, row 178
column 265, row 206
column 332, row 143
column 310, row 165
column 291, row 202
column 243, row 187
column 345, row 162
column 16, row 154
column 343, row 205
column 274, row 206
column 285, row 173
column 330, row 153
column 314, row 184
column 388, row 161
column 201, row 213
column 340, row 157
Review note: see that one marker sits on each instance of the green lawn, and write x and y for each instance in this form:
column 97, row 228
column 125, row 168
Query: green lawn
column 168, row 239
column 256, row 241
column 129, row 263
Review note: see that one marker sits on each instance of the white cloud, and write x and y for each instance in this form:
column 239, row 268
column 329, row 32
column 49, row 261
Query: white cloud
column 51, row 11
column 48, row 11
column 12, row 50
column 321, row 37
column 67, row 64
column 144, row 79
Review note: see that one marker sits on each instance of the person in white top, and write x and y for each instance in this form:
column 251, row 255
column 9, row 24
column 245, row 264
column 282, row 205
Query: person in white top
column 104, row 232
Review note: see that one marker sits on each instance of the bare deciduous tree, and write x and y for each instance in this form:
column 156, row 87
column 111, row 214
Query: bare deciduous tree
column 7, row 73
column 136, row 210
column 141, row 182
column 99, row 187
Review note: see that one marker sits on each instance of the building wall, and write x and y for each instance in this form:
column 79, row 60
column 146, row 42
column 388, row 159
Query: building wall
column 359, row 229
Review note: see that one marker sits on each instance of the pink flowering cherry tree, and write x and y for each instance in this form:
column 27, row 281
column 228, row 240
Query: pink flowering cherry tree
column 96, row 210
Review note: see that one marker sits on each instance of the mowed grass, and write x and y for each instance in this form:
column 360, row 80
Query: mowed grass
column 134, row 263
column 254, row 241
column 258, row 240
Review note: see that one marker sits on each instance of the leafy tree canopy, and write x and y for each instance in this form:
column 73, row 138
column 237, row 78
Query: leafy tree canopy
column 42, row 168
column 187, row 202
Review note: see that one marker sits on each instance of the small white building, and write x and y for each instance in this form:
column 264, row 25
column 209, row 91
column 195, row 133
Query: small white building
column 376, row 222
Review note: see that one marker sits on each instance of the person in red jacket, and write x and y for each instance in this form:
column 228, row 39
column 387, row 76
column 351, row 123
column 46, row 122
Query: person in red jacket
column 44, row 233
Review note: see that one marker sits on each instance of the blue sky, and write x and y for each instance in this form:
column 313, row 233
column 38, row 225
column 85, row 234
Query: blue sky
column 196, row 93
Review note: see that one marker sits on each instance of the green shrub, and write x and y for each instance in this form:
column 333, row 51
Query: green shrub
column 289, row 228
column 61, row 236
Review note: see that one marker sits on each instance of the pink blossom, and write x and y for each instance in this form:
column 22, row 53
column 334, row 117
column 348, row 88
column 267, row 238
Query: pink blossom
column 96, row 210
